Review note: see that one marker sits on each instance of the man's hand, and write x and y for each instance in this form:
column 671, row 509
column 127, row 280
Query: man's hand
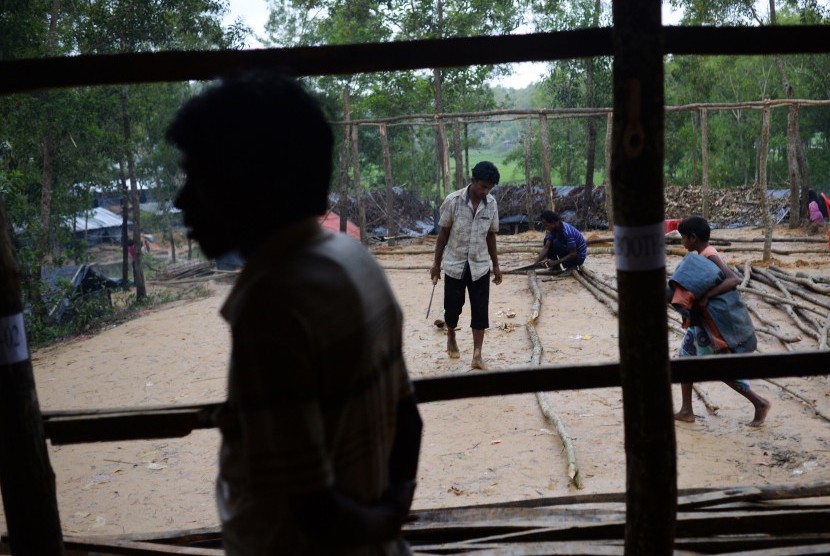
column 435, row 273
column 496, row 274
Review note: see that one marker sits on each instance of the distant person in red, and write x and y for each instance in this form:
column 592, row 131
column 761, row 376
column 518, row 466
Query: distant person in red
column 320, row 433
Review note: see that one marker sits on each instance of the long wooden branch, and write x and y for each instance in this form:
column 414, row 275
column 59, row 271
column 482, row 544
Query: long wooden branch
column 544, row 404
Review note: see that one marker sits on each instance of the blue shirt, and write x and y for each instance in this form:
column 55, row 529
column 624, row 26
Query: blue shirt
column 572, row 238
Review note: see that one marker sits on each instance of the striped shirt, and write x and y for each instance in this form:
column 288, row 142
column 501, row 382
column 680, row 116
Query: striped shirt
column 468, row 233
column 572, row 238
column 316, row 376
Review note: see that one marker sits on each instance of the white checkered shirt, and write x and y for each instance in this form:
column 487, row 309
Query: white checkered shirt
column 468, row 233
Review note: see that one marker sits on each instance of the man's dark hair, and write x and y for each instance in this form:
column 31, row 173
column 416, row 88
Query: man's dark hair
column 486, row 171
column 264, row 138
column 696, row 225
column 550, row 216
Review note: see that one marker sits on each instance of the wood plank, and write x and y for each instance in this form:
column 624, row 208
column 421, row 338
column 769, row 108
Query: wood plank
column 71, row 71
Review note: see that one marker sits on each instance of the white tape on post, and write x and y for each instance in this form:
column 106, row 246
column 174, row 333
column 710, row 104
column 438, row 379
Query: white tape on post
column 640, row 248
column 13, row 348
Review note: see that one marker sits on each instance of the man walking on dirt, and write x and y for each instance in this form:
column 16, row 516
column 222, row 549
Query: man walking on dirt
column 320, row 432
column 467, row 244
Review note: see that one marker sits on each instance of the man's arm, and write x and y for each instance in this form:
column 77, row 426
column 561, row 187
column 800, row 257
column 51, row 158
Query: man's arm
column 543, row 254
column 569, row 257
column 494, row 256
column 336, row 519
column 440, row 244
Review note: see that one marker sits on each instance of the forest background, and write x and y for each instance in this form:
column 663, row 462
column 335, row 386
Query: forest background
column 62, row 149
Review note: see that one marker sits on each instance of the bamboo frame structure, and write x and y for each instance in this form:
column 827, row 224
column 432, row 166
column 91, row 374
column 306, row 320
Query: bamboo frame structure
column 637, row 42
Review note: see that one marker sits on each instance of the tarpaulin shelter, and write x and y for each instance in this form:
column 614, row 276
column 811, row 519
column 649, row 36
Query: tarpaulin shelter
column 331, row 221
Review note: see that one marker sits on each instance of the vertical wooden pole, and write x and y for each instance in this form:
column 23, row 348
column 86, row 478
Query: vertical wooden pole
column 531, row 220
column 609, row 194
column 26, row 477
column 762, row 182
column 344, row 163
column 456, row 144
column 639, row 246
column 543, row 138
column 358, row 189
column 704, row 159
column 792, row 165
column 391, row 230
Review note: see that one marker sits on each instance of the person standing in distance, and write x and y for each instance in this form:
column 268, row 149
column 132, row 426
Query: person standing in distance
column 320, row 431
column 466, row 245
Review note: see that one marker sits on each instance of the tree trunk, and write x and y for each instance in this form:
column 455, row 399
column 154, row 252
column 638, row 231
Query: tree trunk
column 43, row 256
column 609, row 194
column 796, row 160
column 543, row 137
column 344, row 163
column 531, row 220
column 637, row 179
column 792, row 166
column 358, row 189
column 135, row 201
column 466, row 152
column 592, row 131
column 459, row 163
column 387, row 172
column 125, row 216
column 763, row 153
column 27, row 481
column 569, row 179
column 704, row 159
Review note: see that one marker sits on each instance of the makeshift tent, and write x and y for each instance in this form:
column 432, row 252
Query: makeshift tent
column 331, row 221
column 68, row 285
column 96, row 226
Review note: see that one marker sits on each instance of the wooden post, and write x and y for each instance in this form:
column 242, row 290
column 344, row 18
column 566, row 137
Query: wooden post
column 358, row 190
column 762, row 182
column 26, row 477
column 456, row 144
column 387, row 171
column 704, row 159
column 793, row 166
column 637, row 179
column 344, row 163
column 543, row 137
column 531, row 220
column 609, row 197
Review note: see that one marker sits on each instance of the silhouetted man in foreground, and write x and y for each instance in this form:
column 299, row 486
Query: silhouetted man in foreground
column 320, row 432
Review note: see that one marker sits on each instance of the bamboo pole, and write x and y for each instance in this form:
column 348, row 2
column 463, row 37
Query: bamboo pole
column 704, row 156
column 27, row 481
column 358, row 189
column 391, row 230
column 637, row 181
column 531, row 220
column 609, row 194
column 762, row 181
column 546, row 180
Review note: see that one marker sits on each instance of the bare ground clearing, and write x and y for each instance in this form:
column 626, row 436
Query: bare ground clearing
column 475, row 451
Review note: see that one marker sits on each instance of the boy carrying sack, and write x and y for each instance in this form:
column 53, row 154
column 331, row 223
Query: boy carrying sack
column 703, row 290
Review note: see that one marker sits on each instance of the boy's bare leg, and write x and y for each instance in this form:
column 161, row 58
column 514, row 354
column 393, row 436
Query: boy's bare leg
column 478, row 341
column 686, row 414
column 761, row 405
column 452, row 347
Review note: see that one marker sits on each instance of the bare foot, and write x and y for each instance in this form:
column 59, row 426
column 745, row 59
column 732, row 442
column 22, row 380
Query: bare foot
column 761, row 411
column 452, row 349
column 478, row 363
column 685, row 416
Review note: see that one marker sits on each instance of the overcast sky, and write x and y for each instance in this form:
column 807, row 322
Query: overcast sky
column 255, row 14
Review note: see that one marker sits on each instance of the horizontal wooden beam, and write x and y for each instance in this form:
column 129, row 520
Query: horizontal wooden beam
column 151, row 67
column 98, row 425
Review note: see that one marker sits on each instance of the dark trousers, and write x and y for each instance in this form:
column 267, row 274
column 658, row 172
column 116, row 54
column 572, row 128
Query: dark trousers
column 479, row 290
column 558, row 249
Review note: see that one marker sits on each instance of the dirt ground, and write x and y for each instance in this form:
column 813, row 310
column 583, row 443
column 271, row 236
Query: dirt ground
column 475, row 451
